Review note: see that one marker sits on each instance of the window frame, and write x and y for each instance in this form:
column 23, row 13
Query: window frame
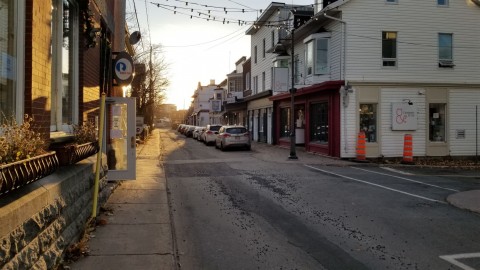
column 264, row 76
column 445, row 3
column 17, row 90
column 264, row 48
column 311, row 49
column 57, row 124
column 445, row 62
column 393, row 60
column 255, row 54
column 248, row 81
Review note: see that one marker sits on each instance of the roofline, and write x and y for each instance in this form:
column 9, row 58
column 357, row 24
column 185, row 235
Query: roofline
column 264, row 16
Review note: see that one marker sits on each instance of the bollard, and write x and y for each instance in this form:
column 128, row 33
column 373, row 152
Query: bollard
column 407, row 149
column 361, row 146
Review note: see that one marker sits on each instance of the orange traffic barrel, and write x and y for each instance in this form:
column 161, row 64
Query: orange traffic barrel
column 361, row 146
column 407, row 149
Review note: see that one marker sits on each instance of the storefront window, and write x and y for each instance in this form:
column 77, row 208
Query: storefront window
column 8, row 57
column 299, row 116
column 368, row 121
column 284, row 122
column 436, row 113
column 319, row 123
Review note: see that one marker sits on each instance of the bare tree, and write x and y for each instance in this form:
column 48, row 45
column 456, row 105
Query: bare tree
column 150, row 82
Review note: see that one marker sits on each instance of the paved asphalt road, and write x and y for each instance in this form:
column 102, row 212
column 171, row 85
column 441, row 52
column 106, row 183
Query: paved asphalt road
column 247, row 210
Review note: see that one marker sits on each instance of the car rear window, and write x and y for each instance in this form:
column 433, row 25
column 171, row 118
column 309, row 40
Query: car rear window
column 215, row 128
column 236, row 130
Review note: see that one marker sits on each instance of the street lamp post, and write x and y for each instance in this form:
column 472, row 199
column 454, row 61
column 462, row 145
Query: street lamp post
column 293, row 154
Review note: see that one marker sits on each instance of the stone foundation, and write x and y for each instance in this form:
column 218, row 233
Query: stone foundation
column 38, row 222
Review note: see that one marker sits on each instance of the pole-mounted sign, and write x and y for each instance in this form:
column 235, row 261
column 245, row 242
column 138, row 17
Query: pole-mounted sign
column 123, row 68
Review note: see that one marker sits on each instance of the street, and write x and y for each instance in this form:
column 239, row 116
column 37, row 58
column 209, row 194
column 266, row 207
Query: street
column 257, row 210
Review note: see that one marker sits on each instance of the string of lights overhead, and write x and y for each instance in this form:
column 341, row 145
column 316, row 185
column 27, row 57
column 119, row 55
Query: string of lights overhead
column 230, row 9
column 208, row 15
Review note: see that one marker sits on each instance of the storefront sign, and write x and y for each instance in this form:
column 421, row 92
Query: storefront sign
column 216, row 106
column 404, row 116
column 123, row 68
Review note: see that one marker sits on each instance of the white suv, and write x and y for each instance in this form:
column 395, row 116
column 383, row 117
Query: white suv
column 211, row 131
column 233, row 136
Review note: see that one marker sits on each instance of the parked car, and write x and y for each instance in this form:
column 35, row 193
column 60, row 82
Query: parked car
column 189, row 131
column 210, row 134
column 233, row 136
column 196, row 133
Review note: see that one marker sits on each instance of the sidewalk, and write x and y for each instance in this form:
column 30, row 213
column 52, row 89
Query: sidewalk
column 137, row 233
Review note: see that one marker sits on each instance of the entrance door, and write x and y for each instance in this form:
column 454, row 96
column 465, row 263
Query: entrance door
column 120, row 139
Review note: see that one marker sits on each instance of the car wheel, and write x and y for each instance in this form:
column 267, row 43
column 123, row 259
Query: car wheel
column 248, row 147
column 215, row 143
column 221, row 147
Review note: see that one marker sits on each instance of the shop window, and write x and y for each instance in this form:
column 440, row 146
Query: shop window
column 368, row 121
column 436, row 113
column 11, row 93
column 319, row 123
column 65, row 50
column 284, row 122
column 300, row 117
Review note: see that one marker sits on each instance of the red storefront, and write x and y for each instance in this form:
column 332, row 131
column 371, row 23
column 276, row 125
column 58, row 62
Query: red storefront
column 317, row 118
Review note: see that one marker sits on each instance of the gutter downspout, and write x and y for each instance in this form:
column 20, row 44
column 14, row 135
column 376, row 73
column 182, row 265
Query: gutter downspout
column 343, row 55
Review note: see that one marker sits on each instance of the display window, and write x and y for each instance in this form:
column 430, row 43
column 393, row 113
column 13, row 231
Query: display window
column 436, row 113
column 284, row 122
column 319, row 123
column 368, row 121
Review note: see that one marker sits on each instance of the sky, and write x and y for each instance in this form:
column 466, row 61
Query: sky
column 195, row 49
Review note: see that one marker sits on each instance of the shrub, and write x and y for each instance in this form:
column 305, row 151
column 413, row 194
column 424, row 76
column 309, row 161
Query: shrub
column 85, row 133
column 20, row 141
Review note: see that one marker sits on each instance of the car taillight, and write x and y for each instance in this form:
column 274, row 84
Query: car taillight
column 226, row 135
column 209, row 132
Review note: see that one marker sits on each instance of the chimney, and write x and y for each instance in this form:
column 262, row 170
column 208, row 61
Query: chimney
column 212, row 82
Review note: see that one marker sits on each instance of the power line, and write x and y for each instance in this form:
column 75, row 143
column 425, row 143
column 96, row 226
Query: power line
column 138, row 23
column 240, row 4
column 209, row 16
column 148, row 25
column 240, row 35
column 236, row 32
column 209, row 6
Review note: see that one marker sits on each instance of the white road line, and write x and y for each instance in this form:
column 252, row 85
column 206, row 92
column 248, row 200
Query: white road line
column 396, row 171
column 377, row 185
column 406, row 179
column 453, row 259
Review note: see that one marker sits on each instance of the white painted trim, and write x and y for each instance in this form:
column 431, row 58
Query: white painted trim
column 19, row 66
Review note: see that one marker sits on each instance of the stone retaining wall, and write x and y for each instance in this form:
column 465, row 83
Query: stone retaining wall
column 40, row 221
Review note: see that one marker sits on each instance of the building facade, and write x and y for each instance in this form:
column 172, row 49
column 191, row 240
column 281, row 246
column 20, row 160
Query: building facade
column 387, row 77
column 55, row 62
